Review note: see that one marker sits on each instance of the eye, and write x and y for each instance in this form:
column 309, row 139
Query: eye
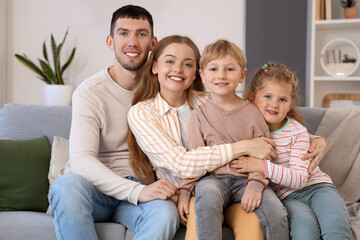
column 213, row 69
column 230, row 69
column 123, row 34
column 188, row 65
column 267, row 96
column 283, row 100
column 142, row 34
column 169, row 61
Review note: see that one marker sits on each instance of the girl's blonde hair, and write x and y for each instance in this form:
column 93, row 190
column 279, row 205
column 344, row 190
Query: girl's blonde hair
column 277, row 72
column 148, row 88
column 219, row 49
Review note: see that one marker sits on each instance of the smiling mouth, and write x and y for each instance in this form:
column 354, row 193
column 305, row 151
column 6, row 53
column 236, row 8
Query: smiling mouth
column 178, row 79
column 221, row 84
column 132, row 54
column 272, row 112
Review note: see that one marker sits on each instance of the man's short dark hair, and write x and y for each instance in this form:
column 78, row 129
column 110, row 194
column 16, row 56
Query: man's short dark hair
column 134, row 12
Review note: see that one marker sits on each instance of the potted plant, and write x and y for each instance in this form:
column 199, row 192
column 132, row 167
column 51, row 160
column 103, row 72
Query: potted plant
column 55, row 91
column 350, row 11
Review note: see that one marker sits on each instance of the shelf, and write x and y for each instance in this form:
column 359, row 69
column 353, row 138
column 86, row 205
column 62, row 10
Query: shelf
column 329, row 78
column 337, row 23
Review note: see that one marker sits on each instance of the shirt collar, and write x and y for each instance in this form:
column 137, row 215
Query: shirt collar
column 162, row 106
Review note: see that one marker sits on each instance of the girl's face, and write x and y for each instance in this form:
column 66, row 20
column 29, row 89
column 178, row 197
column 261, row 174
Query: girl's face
column 274, row 102
column 176, row 69
column 223, row 75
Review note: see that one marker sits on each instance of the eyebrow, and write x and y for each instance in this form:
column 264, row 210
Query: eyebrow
column 128, row 30
column 170, row 55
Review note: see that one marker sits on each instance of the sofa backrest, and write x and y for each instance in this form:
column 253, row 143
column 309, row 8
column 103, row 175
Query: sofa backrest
column 312, row 117
column 22, row 121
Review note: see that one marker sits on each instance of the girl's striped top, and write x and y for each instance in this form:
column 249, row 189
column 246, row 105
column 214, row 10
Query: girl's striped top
column 155, row 125
column 288, row 172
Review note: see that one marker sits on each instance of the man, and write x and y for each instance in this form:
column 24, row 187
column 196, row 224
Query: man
column 101, row 186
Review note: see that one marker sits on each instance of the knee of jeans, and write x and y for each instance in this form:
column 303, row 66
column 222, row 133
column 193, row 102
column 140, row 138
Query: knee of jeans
column 66, row 187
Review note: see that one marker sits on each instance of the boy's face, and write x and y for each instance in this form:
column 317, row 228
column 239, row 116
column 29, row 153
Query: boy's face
column 223, row 75
column 131, row 42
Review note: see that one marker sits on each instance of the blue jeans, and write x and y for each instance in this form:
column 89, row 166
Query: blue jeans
column 76, row 204
column 214, row 192
column 317, row 212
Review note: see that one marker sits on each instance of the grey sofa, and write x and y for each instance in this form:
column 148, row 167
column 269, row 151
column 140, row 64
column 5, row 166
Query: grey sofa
column 20, row 121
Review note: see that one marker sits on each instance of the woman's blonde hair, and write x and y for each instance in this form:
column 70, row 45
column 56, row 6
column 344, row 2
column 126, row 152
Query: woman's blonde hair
column 148, row 88
column 219, row 49
column 280, row 73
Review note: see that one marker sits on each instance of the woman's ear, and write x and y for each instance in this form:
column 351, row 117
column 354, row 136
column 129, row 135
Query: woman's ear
column 154, row 68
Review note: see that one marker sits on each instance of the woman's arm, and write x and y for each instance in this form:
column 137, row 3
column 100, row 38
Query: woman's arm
column 158, row 137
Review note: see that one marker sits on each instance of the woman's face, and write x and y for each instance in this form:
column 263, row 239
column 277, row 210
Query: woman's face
column 176, row 70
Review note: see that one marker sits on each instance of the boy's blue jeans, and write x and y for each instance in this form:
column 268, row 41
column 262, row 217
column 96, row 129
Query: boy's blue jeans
column 317, row 212
column 213, row 193
column 76, row 204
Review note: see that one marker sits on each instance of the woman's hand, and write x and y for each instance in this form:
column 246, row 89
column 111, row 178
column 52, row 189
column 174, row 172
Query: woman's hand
column 262, row 148
column 247, row 164
column 161, row 189
column 316, row 152
column 183, row 205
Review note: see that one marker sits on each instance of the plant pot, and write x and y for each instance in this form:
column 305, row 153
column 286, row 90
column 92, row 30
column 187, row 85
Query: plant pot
column 350, row 12
column 58, row 95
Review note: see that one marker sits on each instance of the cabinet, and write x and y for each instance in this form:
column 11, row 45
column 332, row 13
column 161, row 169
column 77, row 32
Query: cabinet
column 322, row 32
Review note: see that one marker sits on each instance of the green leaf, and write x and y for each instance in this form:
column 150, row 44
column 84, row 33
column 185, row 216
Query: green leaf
column 28, row 63
column 68, row 62
column 48, row 71
column 45, row 52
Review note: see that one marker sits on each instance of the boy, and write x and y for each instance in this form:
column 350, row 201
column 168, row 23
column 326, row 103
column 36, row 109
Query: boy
column 227, row 118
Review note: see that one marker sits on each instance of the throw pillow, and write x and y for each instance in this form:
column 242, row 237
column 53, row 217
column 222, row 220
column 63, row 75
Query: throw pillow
column 24, row 166
column 59, row 158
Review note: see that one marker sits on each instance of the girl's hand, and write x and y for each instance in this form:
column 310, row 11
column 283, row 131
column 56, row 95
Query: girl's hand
column 316, row 152
column 247, row 164
column 262, row 148
column 251, row 200
column 183, row 205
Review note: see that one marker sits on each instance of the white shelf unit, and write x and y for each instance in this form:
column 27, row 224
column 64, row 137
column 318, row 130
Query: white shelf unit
column 323, row 31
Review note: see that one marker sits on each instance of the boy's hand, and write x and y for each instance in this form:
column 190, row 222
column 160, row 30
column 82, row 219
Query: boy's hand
column 251, row 200
column 183, row 205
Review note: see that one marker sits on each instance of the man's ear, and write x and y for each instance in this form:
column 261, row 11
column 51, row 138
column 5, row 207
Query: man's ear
column 244, row 72
column 109, row 42
column 154, row 68
column 154, row 42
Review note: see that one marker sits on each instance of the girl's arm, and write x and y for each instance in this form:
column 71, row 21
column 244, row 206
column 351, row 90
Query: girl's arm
column 292, row 174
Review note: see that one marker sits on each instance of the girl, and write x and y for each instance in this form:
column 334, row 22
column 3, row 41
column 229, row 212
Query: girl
column 315, row 208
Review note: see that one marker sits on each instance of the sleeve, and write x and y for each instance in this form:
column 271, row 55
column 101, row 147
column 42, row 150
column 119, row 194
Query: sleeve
column 163, row 152
column 295, row 176
column 84, row 146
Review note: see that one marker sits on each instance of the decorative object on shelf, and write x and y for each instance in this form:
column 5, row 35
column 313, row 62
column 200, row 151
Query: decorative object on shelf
column 340, row 57
column 350, row 11
column 52, row 75
column 344, row 99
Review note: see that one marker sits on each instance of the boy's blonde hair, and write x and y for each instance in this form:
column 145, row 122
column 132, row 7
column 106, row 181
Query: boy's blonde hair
column 219, row 49
column 279, row 73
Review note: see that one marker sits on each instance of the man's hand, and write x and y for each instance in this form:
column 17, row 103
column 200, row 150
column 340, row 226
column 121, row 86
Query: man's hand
column 247, row 164
column 251, row 200
column 262, row 148
column 161, row 189
column 183, row 205
column 316, row 152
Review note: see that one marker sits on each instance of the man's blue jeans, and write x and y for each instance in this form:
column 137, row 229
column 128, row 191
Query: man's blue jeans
column 317, row 212
column 76, row 204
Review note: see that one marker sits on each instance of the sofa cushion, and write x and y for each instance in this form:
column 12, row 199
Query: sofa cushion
column 25, row 121
column 24, row 166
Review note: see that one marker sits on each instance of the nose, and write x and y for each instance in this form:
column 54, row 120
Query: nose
column 177, row 67
column 221, row 74
column 133, row 41
column 274, row 103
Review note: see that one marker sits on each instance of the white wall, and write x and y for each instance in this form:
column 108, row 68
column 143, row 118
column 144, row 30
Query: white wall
column 29, row 23
column 2, row 52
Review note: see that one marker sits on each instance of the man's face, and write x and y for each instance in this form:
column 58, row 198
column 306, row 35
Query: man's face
column 131, row 42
